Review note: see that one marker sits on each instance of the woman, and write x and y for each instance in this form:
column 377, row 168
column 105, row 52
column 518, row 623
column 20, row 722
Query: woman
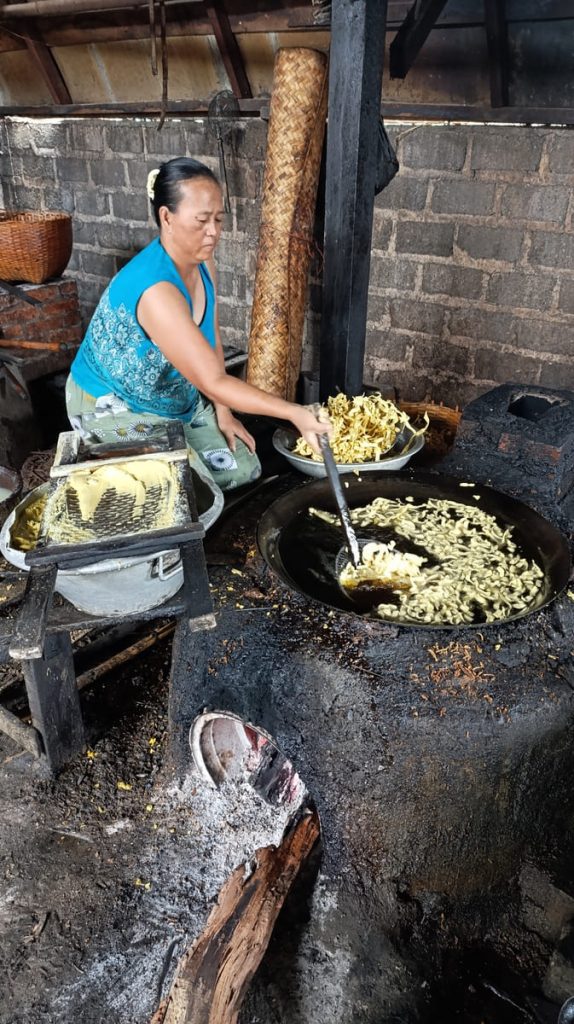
column 153, row 351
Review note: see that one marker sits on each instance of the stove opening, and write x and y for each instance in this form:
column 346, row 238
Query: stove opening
column 532, row 407
column 224, row 747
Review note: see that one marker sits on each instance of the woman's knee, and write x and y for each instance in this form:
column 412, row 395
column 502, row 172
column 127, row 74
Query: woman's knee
column 231, row 469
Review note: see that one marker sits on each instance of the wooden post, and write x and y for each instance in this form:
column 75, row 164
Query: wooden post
column 54, row 701
column 355, row 75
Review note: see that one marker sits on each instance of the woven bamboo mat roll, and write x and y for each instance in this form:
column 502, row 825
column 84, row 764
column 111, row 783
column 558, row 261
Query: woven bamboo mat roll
column 294, row 145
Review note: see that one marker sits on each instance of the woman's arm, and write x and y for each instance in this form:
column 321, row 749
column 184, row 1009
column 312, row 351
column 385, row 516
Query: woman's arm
column 164, row 315
column 229, row 425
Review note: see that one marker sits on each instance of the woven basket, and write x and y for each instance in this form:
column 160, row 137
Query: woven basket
column 292, row 161
column 444, row 422
column 34, row 246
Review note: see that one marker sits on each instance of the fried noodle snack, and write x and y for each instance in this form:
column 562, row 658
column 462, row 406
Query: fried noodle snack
column 476, row 572
column 364, row 428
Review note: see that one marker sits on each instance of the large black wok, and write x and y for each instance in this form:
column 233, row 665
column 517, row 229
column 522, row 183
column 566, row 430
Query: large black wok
column 302, row 549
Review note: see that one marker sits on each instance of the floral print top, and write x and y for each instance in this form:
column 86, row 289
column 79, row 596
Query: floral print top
column 117, row 356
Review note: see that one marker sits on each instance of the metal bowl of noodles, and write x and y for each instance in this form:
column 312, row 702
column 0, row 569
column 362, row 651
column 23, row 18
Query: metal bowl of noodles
column 284, row 441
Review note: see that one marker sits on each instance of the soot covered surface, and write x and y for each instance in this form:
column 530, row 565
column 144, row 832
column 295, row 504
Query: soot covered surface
column 441, row 764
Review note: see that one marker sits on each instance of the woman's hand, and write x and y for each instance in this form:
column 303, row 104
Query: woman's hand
column 231, row 428
column 309, row 426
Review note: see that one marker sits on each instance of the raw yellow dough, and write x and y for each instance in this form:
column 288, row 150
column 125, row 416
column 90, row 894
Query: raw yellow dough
column 152, row 485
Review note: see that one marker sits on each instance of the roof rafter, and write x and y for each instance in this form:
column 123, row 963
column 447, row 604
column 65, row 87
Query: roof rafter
column 229, row 49
column 44, row 61
column 412, row 34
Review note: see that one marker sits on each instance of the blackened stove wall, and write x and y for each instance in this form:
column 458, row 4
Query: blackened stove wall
column 439, row 762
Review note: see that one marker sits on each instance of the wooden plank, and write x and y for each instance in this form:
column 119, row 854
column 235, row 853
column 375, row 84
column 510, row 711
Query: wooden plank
column 214, row 974
column 196, row 592
column 54, row 701
column 355, row 74
column 498, row 58
column 412, row 34
column 229, row 49
column 77, row 556
column 112, row 26
column 44, row 61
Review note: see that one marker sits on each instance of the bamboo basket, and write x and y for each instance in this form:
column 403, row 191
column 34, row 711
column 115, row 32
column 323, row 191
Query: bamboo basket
column 34, row 246
column 444, row 421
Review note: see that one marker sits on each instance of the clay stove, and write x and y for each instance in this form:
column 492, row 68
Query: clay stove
column 440, row 762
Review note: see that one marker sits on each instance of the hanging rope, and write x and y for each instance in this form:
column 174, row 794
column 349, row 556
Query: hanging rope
column 152, row 36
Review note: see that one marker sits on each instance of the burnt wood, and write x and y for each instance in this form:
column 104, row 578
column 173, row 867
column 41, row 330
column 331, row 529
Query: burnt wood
column 25, row 736
column 412, row 35
column 214, row 974
column 355, row 75
column 54, row 701
column 497, row 40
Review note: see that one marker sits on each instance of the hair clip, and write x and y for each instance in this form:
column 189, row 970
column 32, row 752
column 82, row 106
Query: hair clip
column 150, row 185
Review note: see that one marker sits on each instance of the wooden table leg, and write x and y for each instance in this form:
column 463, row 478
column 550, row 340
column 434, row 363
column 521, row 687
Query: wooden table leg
column 54, row 700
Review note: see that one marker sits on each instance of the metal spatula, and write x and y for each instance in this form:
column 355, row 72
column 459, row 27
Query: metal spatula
column 342, row 506
column 371, row 590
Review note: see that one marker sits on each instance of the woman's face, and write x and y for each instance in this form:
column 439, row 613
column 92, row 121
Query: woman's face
column 193, row 230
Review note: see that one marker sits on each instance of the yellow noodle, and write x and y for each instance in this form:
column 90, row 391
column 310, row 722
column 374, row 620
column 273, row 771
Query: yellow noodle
column 364, row 428
column 479, row 565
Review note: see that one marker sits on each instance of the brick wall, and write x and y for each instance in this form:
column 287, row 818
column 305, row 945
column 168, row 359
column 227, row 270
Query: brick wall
column 101, row 180
column 472, row 279
column 54, row 321
column 472, row 275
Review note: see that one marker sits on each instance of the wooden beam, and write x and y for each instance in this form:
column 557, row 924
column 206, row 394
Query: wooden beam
column 182, row 20
column 412, row 34
column 258, row 107
column 229, row 49
column 47, row 8
column 498, row 58
column 394, row 110
column 355, row 75
column 44, row 60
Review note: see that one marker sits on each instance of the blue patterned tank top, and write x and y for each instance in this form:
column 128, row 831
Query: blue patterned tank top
column 117, row 355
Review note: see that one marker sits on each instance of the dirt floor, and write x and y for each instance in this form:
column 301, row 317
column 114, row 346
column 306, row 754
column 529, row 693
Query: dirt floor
column 110, row 870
